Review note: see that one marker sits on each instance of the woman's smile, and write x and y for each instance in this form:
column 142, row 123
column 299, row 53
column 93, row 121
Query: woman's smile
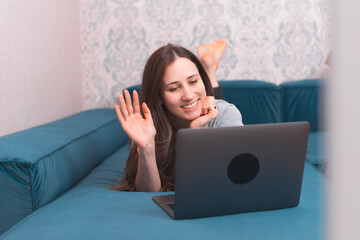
column 190, row 106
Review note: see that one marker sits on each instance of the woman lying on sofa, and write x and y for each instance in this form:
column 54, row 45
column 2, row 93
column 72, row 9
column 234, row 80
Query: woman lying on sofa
column 176, row 92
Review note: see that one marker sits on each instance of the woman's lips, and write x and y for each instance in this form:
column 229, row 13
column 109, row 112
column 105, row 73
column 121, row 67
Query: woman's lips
column 191, row 105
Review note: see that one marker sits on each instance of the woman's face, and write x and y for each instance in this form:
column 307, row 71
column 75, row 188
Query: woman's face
column 183, row 90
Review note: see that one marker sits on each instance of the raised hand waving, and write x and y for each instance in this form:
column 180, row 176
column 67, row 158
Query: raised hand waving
column 139, row 129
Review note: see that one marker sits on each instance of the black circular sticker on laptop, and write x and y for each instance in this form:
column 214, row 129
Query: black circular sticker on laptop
column 243, row 168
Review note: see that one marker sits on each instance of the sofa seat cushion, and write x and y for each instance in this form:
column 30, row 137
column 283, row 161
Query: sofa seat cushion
column 39, row 164
column 316, row 152
column 90, row 211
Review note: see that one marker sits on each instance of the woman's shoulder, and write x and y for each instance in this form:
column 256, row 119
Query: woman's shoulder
column 228, row 115
column 222, row 105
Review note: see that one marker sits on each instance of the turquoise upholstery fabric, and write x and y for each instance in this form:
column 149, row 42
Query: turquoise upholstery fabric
column 39, row 164
column 303, row 101
column 316, row 152
column 258, row 101
column 60, row 172
column 135, row 87
column 90, row 211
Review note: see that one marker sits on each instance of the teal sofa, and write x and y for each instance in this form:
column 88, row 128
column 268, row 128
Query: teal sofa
column 54, row 177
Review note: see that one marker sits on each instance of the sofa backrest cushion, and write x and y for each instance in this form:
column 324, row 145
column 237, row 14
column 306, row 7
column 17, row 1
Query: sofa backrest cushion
column 39, row 164
column 303, row 101
column 135, row 87
column 258, row 101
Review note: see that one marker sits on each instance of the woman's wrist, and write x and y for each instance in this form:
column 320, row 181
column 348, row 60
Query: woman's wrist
column 147, row 150
column 147, row 177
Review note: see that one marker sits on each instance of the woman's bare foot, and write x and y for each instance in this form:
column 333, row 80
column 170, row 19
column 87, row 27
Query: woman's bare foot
column 219, row 47
column 210, row 55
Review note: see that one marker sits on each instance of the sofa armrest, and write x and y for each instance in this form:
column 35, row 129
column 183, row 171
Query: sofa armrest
column 39, row 164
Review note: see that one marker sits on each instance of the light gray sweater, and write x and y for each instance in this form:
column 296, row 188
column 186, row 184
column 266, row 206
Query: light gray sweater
column 228, row 116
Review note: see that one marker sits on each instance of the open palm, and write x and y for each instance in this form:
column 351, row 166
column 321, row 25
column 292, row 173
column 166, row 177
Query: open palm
column 139, row 129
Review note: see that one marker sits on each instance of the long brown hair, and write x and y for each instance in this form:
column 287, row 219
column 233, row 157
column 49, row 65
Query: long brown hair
column 165, row 139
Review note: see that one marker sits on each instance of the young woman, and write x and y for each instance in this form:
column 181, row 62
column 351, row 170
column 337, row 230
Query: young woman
column 176, row 92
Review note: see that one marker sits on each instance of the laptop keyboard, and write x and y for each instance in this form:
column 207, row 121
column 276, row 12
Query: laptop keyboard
column 170, row 204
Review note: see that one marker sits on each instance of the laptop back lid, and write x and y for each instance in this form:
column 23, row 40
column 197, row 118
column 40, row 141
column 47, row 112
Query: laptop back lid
column 239, row 169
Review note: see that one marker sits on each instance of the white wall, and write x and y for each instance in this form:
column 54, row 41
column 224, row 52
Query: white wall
column 40, row 71
column 344, row 121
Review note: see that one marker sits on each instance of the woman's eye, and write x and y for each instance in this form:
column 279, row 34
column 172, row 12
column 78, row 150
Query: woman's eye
column 173, row 89
column 193, row 81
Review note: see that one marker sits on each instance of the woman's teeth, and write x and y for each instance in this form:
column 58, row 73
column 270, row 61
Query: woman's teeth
column 190, row 105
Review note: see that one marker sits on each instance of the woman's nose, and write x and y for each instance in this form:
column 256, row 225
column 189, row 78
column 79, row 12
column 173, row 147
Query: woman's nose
column 187, row 93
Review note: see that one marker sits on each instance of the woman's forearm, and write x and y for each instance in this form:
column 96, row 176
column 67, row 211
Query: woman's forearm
column 147, row 177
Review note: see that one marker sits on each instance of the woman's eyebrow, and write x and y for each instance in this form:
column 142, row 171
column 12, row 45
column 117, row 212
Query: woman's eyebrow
column 175, row 82
column 192, row 75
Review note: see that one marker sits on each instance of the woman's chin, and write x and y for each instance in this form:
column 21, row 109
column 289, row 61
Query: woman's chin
column 185, row 118
column 192, row 116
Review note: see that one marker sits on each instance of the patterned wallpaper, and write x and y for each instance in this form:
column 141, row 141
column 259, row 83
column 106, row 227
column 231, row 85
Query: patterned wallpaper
column 270, row 40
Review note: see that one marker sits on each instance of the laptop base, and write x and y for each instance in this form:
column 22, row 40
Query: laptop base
column 165, row 202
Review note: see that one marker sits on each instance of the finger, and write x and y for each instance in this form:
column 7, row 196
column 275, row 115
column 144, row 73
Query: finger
column 211, row 101
column 147, row 112
column 205, row 107
column 123, row 107
column 214, row 113
column 212, row 104
column 136, row 102
column 128, row 102
column 204, row 110
column 118, row 113
column 212, row 107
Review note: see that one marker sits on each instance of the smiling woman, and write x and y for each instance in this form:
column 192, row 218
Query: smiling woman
column 184, row 93
column 176, row 92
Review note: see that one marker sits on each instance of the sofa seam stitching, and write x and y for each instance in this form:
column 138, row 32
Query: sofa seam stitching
column 74, row 140
column 31, row 188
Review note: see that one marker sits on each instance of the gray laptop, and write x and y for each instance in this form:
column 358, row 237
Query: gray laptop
column 237, row 169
